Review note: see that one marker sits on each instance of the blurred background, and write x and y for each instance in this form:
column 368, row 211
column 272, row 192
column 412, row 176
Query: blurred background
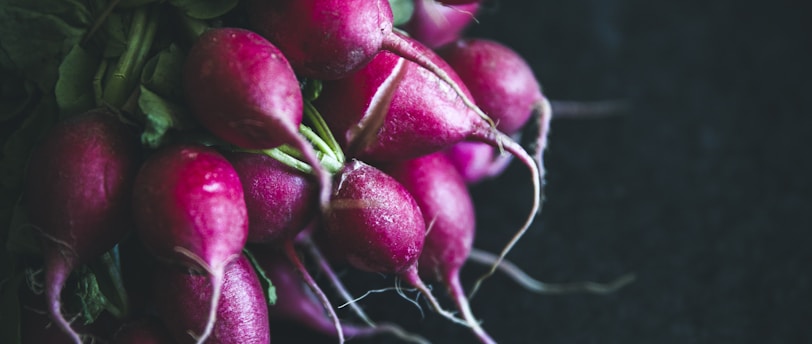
column 702, row 188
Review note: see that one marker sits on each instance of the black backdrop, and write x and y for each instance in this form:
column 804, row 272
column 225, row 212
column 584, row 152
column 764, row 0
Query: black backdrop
column 701, row 188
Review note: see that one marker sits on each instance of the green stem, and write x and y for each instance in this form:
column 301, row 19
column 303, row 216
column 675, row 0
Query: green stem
column 288, row 159
column 317, row 141
column 320, row 127
column 122, row 81
column 98, row 89
column 332, row 164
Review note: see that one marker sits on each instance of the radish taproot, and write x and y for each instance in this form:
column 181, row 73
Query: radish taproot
column 444, row 200
column 182, row 299
column 190, row 210
column 424, row 116
column 331, row 39
column 280, row 204
column 376, row 226
column 78, row 192
column 242, row 88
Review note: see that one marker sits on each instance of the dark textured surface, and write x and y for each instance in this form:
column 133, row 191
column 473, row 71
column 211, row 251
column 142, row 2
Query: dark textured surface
column 702, row 188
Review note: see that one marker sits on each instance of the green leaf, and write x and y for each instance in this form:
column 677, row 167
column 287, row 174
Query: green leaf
column 18, row 146
column 134, row 3
column 204, row 9
column 115, row 34
column 38, row 34
column 402, row 10
column 162, row 73
column 160, row 116
column 87, row 299
column 107, row 269
column 74, row 88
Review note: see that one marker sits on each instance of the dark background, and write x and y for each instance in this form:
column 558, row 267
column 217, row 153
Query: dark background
column 701, row 188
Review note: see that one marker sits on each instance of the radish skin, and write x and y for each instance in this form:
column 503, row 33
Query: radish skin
column 77, row 191
column 190, row 210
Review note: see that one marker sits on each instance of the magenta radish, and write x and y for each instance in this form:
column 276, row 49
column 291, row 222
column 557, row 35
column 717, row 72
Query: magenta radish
column 446, row 204
column 78, row 192
column 435, row 25
column 241, row 88
column 279, row 201
column 501, row 81
column 295, row 304
column 376, row 226
column 425, row 116
column 477, row 161
column 330, row 39
column 190, row 210
column 181, row 300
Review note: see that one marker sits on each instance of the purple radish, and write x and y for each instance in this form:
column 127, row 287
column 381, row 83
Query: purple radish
column 330, row 39
column 280, row 200
column 241, row 88
column 376, row 226
column 501, row 81
column 477, row 161
column 446, row 204
column 503, row 84
column 190, row 210
column 425, row 116
column 78, row 192
column 280, row 204
column 182, row 300
column 143, row 331
column 435, row 25
column 295, row 304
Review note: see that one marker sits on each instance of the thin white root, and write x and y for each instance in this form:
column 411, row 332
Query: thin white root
column 529, row 283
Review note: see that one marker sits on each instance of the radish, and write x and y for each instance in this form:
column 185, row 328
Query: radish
column 419, row 121
column 181, row 300
column 190, row 210
column 330, row 39
column 435, row 25
column 446, row 204
column 501, row 81
column 477, row 161
column 78, row 192
column 279, row 204
column 294, row 304
column 376, row 226
column 241, row 87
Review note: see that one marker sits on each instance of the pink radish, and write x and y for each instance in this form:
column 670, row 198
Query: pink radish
column 501, row 81
column 182, row 299
column 376, row 226
column 425, row 116
column 190, row 210
column 280, row 204
column 330, row 39
column 295, row 305
column 446, row 204
column 435, row 25
column 477, row 161
column 78, row 192
column 241, row 87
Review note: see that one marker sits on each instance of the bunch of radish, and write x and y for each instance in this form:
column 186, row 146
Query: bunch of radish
column 321, row 135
